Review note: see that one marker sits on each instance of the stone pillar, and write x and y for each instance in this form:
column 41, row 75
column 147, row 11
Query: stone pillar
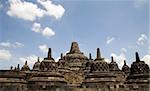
column 98, row 54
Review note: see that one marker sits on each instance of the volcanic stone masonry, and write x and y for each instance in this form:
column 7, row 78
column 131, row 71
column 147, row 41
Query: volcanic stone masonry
column 76, row 72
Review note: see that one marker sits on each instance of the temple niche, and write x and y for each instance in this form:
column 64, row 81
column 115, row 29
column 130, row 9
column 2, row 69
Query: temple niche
column 76, row 72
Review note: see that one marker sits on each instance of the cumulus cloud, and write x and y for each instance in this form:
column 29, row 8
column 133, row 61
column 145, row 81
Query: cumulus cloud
column 43, row 48
column 52, row 9
column 142, row 39
column 30, row 11
column 13, row 45
column 48, row 32
column 146, row 59
column 24, row 10
column 36, row 27
column 5, row 44
column 5, row 54
column 119, row 59
column 110, row 39
column 30, row 59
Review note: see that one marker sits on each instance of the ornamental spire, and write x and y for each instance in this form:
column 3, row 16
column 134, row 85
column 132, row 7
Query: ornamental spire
column 112, row 59
column 90, row 56
column 18, row 67
column 137, row 57
column 61, row 56
column 38, row 59
column 26, row 63
column 98, row 54
column 49, row 56
column 125, row 62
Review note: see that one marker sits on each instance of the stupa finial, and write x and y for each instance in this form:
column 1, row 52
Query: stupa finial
column 112, row 59
column 90, row 56
column 49, row 56
column 137, row 57
column 74, row 48
column 98, row 54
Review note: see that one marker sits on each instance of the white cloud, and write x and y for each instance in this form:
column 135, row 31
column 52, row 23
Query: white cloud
column 5, row 54
column 24, row 10
column 140, row 3
column 146, row 59
column 142, row 39
column 48, row 32
column 17, row 45
column 13, row 45
column 30, row 11
column 5, row 44
column 110, row 39
column 43, row 48
column 30, row 59
column 51, row 9
column 124, row 50
column 57, row 59
column 36, row 27
column 119, row 59
column 107, row 60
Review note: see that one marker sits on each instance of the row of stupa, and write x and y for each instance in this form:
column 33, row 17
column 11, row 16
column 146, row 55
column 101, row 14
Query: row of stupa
column 76, row 72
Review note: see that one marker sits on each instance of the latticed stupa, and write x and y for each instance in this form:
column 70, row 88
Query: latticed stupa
column 76, row 72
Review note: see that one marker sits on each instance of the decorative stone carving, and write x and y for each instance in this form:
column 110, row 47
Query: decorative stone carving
column 74, row 78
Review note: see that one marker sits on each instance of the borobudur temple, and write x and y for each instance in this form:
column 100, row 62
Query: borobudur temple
column 76, row 72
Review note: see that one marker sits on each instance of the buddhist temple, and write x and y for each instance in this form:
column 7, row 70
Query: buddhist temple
column 76, row 72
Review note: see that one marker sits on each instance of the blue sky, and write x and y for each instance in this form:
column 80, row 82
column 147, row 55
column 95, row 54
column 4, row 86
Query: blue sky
column 118, row 28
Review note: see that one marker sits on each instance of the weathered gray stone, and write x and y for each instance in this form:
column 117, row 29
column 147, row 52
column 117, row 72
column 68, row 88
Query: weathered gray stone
column 75, row 72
